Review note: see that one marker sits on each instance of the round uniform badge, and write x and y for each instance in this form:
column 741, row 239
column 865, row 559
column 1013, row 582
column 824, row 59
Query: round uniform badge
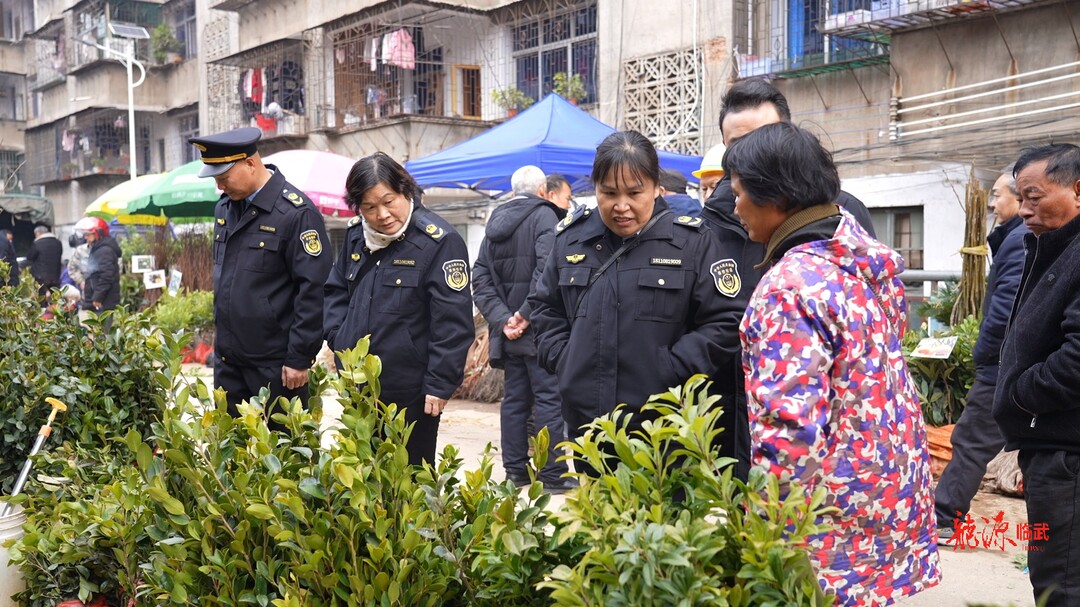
column 456, row 272
column 312, row 244
column 726, row 274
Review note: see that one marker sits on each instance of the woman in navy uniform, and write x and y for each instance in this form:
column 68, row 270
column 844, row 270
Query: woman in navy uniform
column 403, row 278
column 631, row 301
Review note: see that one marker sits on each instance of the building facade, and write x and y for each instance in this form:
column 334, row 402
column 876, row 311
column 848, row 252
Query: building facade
column 910, row 94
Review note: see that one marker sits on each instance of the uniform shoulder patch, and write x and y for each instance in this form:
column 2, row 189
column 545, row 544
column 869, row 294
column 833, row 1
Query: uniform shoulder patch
column 688, row 221
column 293, row 197
column 456, row 272
column 355, row 221
column 572, row 218
column 432, row 230
column 312, row 244
column 725, row 274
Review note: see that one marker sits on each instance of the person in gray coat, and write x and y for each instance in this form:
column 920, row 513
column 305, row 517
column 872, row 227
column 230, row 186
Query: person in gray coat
column 517, row 243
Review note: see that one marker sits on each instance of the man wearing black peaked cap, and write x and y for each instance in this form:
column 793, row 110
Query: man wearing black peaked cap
column 269, row 270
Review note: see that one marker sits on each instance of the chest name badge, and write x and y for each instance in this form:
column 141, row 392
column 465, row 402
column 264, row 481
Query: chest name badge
column 726, row 274
column 404, row 262
column 456, row 272
column 270, row 229
column 312, row 244
column 575, row 258
column 663, row 261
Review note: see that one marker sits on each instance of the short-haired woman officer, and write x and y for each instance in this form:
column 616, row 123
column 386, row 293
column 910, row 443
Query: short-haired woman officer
column 402, row 277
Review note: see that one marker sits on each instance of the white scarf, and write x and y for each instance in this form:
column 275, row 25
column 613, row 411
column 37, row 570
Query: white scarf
column 375, row 240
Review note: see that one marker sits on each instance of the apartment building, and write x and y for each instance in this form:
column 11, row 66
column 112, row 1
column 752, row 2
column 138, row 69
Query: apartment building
column 908, row 93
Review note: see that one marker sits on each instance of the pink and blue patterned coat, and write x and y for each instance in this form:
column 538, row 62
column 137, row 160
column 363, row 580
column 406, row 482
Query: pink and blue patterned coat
column 832, row 405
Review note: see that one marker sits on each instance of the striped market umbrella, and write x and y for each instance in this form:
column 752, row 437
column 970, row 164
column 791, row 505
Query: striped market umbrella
column 179, row 193
column 113, row 203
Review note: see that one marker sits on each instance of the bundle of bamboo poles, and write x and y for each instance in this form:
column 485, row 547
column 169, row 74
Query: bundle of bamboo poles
column 975, row 250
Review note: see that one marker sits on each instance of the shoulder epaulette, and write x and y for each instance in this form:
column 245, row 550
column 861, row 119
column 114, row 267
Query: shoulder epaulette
column 429, row 227
column 292, row 197
column 355, row 221
column 572, row 217
column 688, row 221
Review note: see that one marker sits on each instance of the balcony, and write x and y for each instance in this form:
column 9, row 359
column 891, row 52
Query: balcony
column 875, row 20
column 229, row 5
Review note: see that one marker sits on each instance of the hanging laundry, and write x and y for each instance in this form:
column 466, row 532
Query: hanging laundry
column 339, row 54
column 402, row 52
column 257, row 80
column 375, row 54
column 384, row 52
column 68, row 141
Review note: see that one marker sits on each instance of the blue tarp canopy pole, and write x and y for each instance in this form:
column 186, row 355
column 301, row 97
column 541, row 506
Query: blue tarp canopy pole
column 554, row 135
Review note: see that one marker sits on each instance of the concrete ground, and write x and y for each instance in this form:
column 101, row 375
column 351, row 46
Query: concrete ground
column 982, row 576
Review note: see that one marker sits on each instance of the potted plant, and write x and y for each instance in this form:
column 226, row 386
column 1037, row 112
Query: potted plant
column 511, row 99
column 570, row 87
column 165, row 44
column 67, row 170
column 98, row 164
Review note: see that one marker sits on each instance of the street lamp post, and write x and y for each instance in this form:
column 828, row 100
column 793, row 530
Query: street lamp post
column 129, row 61
column 131, row 33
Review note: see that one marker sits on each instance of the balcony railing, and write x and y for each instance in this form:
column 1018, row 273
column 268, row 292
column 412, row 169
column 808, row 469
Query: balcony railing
column 891, row 15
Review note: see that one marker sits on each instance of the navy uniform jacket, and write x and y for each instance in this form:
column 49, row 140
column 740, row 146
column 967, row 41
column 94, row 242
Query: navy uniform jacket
column 413, row 298
column 652, row 319
column 269, row 269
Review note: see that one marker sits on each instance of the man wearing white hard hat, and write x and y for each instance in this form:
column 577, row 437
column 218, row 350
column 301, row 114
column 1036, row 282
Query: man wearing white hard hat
column 711, row 171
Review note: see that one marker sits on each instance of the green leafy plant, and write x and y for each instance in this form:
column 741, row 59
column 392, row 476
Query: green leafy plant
column 206, row 509
column 185, row 311
column 941, row 303
column 570, row 86
column 511, row 98
column 164, row 42
column 943, row 384
column 103, row 372
column 667, row 524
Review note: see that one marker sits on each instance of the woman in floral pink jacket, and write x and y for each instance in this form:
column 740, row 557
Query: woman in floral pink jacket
column 831, row 402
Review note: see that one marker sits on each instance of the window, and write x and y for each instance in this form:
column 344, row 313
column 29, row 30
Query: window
column 188, row 125
column 561, row 42
column 469, row 90
column 187, row 31
column 902, row 229
column 797, row 39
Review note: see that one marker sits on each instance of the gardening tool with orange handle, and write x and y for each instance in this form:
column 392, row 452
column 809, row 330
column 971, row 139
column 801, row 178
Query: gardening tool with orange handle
column 43, row 433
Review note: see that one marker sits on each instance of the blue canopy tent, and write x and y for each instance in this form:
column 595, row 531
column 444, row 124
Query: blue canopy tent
column 554, row 135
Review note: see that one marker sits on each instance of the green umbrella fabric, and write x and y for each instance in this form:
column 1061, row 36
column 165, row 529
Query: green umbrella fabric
column 180, row 193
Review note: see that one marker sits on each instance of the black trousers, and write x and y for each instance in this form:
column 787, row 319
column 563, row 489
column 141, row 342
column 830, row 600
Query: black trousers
column 242, row 383
column 530, row 390
column 976, row 440
column 1052, row 494
column 425, row 433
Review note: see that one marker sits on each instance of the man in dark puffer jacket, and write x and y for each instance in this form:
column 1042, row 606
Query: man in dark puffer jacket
column 518, row 240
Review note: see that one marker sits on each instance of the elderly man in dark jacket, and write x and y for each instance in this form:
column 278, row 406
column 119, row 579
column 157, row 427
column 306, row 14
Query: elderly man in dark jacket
column 516, row 245
column 45, row 259
column 976, row 438
column 1036, row 404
